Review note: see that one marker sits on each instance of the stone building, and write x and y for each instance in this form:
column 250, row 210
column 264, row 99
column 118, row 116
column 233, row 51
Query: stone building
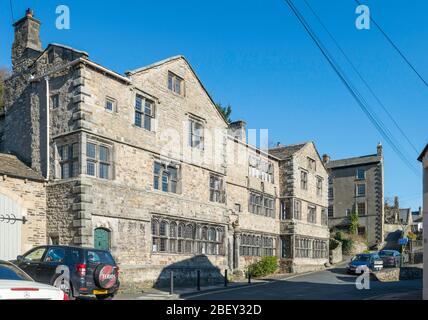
column 304, row 229
column 424, row 159
column 357, row 186
column 145, row 165
column 22, row 208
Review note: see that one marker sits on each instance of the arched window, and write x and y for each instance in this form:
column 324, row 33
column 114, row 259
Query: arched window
column 181, row 230
column 102, row 239
column 163, row 228
column 155, row 227
column 204, row 233
column 189, row 232
column 173, row 230
column 212, row 235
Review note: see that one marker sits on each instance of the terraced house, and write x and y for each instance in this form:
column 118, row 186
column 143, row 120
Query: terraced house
column 145, row 165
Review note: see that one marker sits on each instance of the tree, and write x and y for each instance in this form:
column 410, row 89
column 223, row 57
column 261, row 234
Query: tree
column 3, row 76
column 353, row 226
column 226, row 111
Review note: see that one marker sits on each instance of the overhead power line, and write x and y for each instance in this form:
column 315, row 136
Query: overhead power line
column 362, row 78
column 11, row 10
column 392, row 43
column 354, row 92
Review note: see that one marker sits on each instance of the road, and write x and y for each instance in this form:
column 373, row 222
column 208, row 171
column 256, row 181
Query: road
column 331, row 284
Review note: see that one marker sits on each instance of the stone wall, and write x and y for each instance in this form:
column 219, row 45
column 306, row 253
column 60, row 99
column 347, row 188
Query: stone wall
column 31, row 196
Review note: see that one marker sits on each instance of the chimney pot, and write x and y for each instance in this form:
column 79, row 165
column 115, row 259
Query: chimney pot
column 325, row 158
column 29, row 13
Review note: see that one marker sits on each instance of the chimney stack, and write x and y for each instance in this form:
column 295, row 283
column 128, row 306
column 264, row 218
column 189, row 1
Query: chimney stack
column 26, row 45
column 325, row 158
column 237, row 129
column 379, row 150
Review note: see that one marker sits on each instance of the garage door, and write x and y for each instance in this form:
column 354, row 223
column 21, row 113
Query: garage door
column 10, row 228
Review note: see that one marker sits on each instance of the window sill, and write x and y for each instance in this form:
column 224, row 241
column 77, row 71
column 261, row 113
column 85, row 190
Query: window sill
column 145, row 130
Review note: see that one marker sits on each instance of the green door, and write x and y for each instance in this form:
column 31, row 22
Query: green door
column 102, row 239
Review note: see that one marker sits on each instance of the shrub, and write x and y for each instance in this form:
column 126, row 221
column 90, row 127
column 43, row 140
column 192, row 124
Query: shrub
column 353, row 227
column 339, row 236
column 347, row 245
column 267, row 265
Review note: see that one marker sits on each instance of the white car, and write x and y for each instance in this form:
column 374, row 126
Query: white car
column 15, row 284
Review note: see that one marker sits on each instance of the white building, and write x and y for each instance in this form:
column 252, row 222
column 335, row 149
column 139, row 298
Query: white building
column 424, row 159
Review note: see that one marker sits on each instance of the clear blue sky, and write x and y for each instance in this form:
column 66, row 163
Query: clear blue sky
column 257, row 57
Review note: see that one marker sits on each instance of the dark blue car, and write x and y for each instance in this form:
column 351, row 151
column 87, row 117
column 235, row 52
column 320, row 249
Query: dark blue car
column 370, row 260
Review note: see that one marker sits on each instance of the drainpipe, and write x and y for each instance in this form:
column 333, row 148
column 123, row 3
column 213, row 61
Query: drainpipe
column 47, row 128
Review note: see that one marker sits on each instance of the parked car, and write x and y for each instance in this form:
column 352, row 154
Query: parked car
column 370, row 260
column 391, row 258
column 15, row 284
column 76, row 270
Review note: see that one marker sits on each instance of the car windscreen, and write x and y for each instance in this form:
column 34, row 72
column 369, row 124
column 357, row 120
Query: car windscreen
column 362, row 258
column 10, row 272
column 98, row 256
column 386, row 253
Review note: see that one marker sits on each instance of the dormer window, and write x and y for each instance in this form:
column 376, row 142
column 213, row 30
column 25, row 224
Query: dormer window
column 175, row 83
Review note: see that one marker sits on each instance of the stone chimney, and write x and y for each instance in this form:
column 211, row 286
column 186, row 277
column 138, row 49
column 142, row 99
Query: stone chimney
column 325, row 158
column 237, row 129
column 379, row 149
column 26, row 45
column 396, row 203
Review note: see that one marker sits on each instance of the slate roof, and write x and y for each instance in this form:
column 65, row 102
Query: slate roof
column 420, row 158
column 353, row 161
column 283, row 152
column 12, row 166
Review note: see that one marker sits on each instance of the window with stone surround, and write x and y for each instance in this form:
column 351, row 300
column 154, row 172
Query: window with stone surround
column 110, row 104
column 256, row 245
column 196, row 134
column 297, row 213
column 286, row 209
column 55, row 101
column 186, row 237
column 69, row 160
column 360, row 174
column 360, row 190
column 312, row 214
column 98, row 160
column 303, row 180
column 261, row 204
column 330, row 211
column 144, row 113
column 175, row 83
column 361, row 208
column 319, row 186
column 217, row 191
column 312, row 165
column 165, row 177
column 324, row 217
column 306, row 247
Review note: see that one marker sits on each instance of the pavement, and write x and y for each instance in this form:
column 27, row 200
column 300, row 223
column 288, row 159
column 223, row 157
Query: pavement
column 330, row 284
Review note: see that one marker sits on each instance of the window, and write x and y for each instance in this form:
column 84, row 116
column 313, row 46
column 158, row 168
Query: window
column 237, row 207
column 324, row 217
column 347, row 212
column 36, row 255
column 330, row 211
column 297, row 214
column 165, row 177
column 361, row 190
column 196, row 134
column 286, row 209
column 263, row 205
column 361, row 174
column 175, row 83
column 319, row 186
column 217, row 192
column 110, row 104
column 98, row 157
column 361, row 207
column 312, row 214
column 303, row 180
column 311, row 248
column 254, row 245
column 312, row 165
column 144, row 113
column 55, row 101
column 330, row 192
column 303, row 247
column 186, row 237
column 69, row 160
column 260, row 169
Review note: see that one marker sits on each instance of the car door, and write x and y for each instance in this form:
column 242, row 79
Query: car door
column 31, row 261
column 54, row 257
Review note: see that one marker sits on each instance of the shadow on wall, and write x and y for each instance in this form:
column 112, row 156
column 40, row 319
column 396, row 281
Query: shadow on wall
column 392, row 240
column 185, row 274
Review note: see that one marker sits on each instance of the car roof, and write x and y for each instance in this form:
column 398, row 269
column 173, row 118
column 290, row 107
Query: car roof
column 70, row 247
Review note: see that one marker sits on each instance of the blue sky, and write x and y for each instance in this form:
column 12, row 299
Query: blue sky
column 257, row 57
